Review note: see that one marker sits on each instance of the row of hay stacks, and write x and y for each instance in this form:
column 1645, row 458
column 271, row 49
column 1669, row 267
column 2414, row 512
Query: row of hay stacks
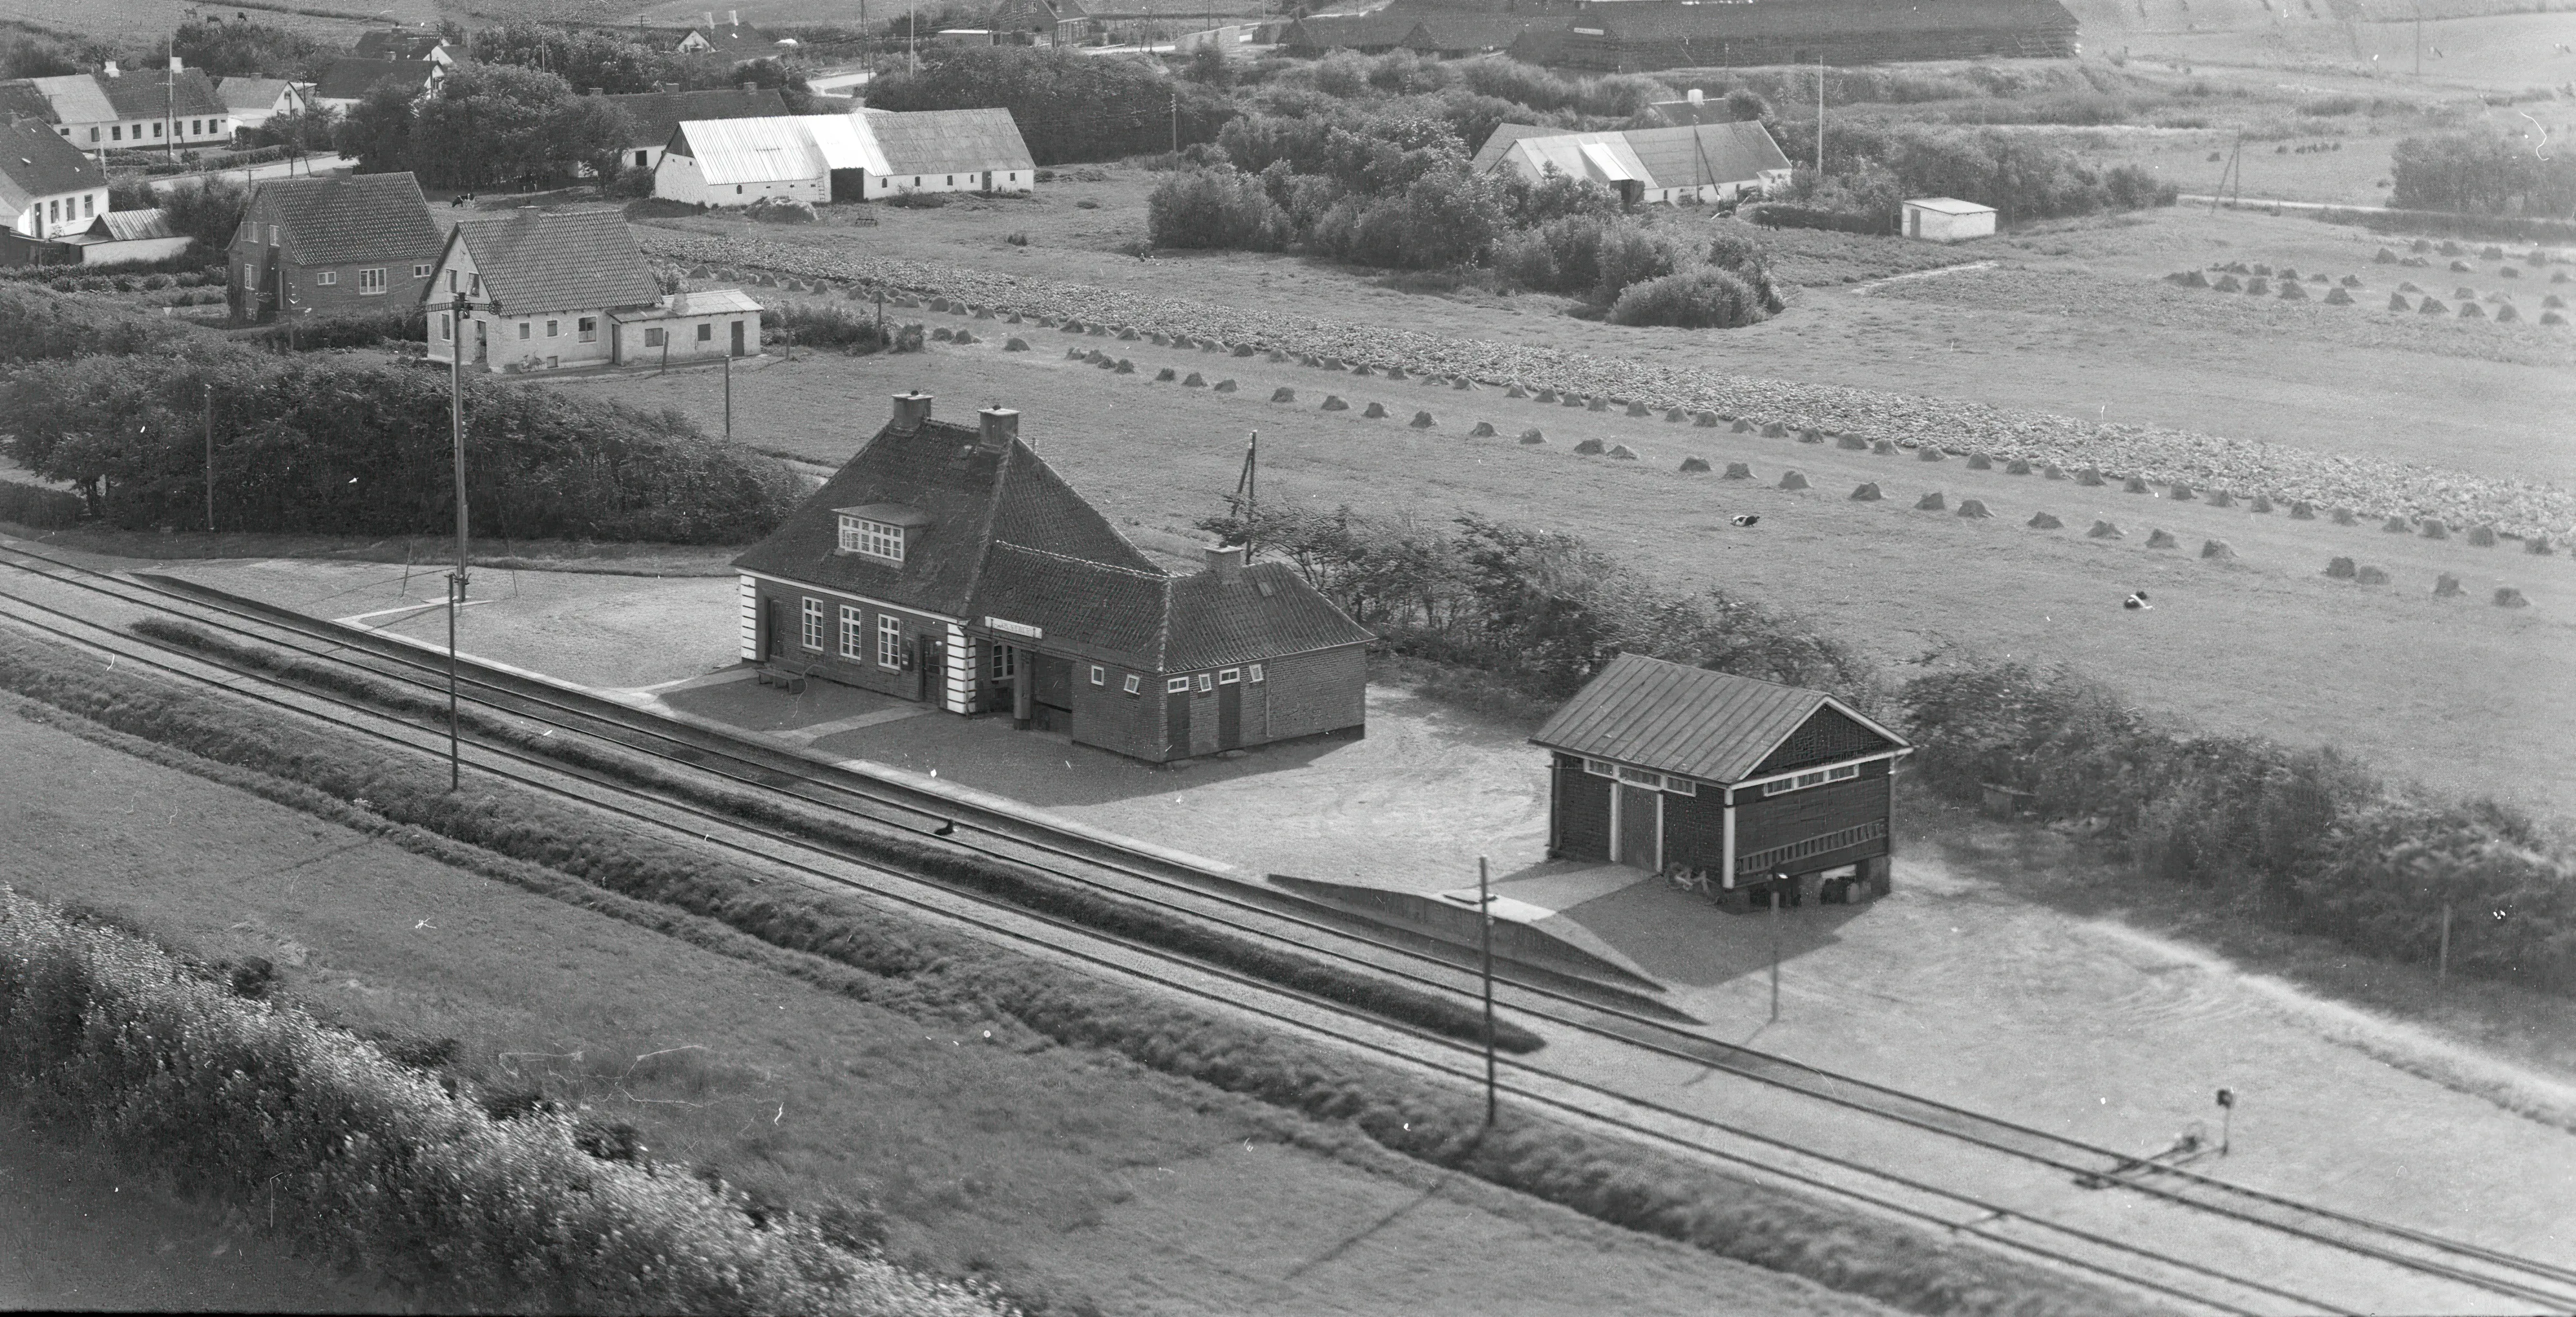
column 2339, row 293
column 2282, row 472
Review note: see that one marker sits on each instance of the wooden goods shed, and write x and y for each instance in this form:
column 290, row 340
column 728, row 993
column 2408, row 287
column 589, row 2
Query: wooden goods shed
column 1779, row 793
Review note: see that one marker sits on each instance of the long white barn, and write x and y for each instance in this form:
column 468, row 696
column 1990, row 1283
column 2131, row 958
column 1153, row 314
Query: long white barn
column 859, row 156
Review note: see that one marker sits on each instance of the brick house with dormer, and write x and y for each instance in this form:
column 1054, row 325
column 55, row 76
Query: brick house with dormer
column 326, row 246
column 951, row 565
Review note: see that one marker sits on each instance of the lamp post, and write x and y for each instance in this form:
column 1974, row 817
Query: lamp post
column 2226, row 1117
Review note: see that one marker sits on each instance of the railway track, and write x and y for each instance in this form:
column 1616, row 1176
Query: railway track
column 1133, row 875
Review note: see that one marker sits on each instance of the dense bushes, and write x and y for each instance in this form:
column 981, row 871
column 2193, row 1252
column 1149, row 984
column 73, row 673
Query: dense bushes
column 1538, row 609
column 347, row 329
column 382, row 1167
column 2303, row 835
column 339, row 447
column 1870, row 168
column 809, row 325
column 1641, row 275
column 1220, row 208
column 38, row 507
column 2483, row 173
column 1701, row 298
column 39, row 325
column 1069, row 105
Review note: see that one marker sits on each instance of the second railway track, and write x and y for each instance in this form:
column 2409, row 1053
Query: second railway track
column 1628, row 1018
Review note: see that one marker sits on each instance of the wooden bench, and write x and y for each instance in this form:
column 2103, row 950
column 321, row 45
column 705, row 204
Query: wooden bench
column 783, row 674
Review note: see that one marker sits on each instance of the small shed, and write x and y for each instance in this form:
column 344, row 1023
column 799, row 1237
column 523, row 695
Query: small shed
column 1775, row 792
column 1948, row 219
column 123, row 236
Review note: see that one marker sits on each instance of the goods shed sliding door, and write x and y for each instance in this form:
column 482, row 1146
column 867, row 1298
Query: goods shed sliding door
column 1640, row 827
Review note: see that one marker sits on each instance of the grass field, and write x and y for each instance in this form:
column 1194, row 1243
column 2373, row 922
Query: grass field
column 1065, row 1174
column 2261, row 644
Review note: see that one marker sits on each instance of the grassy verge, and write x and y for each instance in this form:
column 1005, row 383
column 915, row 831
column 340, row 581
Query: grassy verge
column 431, row 552
column 1024, row 887
column 388, row 1169
column 922, row 968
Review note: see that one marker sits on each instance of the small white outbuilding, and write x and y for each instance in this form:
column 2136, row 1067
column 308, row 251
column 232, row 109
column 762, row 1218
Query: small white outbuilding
column 1948, row 219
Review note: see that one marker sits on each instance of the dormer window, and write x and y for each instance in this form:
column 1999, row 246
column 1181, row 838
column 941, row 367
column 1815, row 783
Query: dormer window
column 882, row 531
column 875, row 539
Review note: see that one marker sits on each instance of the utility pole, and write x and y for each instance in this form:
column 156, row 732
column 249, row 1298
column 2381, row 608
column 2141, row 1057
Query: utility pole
column 210, row 457
column 1820, row 116
column 911, row 38
column 2442, row 965
column 170, row 95
column 2419, row 38
column 1485, row 916
column 1176, row 122
column 728, row 377
column 456, row 582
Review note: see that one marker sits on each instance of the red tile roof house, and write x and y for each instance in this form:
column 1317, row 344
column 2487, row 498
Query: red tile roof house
column 1660, row 764
column 325, row 246
column 568, row 289
column 950, row 564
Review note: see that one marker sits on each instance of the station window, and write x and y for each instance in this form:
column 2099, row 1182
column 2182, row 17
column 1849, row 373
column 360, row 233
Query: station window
column 1229, row 677
column 1252, row 673
column 1099, row 675
column 1206, row 683
column 854, row 630
column 1132, row 684
column 1006, row 662
column 889, row 641
column 1177, row 686
column 814, row 625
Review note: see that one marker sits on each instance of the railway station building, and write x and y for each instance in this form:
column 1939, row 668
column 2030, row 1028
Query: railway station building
column 1783, row 794
column 951, row 565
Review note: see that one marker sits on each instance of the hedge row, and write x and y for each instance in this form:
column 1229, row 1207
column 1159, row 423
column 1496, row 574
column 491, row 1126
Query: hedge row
column 344, row 446
column 1027, row 888
column 36, row 325
column 386, row 1170
column 930, row 970
column 39, row 508
column 351, row 329
column 2303, row 838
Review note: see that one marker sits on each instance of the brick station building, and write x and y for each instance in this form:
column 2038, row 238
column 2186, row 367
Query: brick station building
column 1659, row 765
column 950, row 564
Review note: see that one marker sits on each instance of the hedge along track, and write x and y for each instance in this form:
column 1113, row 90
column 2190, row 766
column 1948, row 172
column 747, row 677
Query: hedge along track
column 2512, row 1277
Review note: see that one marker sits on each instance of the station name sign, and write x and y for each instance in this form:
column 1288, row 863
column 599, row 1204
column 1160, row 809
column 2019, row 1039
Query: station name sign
column 1009, row 628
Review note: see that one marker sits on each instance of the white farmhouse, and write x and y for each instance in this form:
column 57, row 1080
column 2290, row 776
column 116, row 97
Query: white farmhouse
column 568, row 289
column 1948, row 219
column 1697, row 162
column 48, row 189
column 859, row 156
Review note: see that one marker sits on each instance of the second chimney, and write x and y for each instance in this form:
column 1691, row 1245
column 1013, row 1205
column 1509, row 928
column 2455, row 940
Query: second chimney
column 999, row 426
column 911, row 409
column 1225, row 560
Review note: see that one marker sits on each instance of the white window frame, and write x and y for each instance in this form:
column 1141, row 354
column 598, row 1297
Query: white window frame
column 1680, row 786
column 854, row 625
column 327, row 278
column 1099, row 675
column 420, row 270
column 1132, row 684
column 1229, row 677
column 889, row 642
column 1252, row 672
column 872, row 539
column 1177, row 686
column 813, row 629
column 1207, row 682
column 1813, row 778
column 446, row 329
column 1601, row 768
column 1639, row 777
column 371, row 283
column 1005, row 663
column 587, row 329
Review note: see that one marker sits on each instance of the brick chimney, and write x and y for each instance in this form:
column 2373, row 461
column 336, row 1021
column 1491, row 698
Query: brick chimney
column 911, row 409
column 1225, row 560
column 997, row 427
